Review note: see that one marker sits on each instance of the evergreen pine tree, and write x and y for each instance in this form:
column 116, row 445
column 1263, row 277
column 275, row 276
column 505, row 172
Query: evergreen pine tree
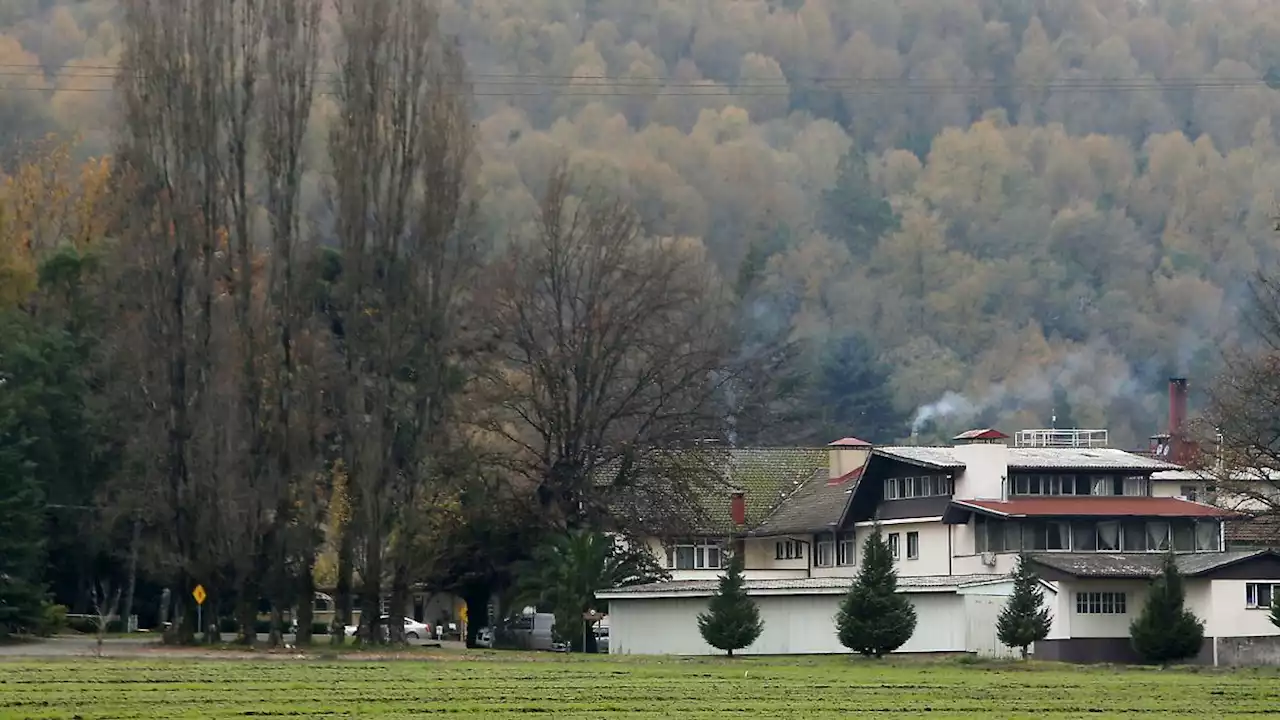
column 1024, row 620
column 732, row 620
column 874, row 619
column 21, row 530
column 1166, row 631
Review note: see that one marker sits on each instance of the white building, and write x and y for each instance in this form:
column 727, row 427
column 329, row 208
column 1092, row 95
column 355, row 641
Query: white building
column 957, row 517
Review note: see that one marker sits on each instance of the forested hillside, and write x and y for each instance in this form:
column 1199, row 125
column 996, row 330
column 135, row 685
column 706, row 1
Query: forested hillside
column 1032, row 204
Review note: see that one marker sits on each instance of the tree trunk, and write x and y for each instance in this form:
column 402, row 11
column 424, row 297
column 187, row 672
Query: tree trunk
column 247, row 616
column 371, row 592
column 1024, row 652
column 132, row 583
column 276, row 636
column 730, row 651
column 342, row 603
column 306, row 604
column 399, row 601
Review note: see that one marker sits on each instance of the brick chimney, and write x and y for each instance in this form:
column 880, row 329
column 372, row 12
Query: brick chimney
column 738, row 508
column 1178, row 447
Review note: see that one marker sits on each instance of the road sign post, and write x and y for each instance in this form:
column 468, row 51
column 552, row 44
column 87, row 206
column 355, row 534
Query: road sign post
column 199, row 595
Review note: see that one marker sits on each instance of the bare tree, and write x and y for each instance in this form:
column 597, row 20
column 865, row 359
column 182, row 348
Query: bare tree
column 294, row 345
column 186, row 88
column 105, row 602
column 1238, row 435
column 401, row 151
column 614, row 354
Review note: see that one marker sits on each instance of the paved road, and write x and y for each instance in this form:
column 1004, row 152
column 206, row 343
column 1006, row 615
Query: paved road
column 143, row 646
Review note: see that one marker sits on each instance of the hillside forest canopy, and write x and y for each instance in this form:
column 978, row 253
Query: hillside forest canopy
column 865, row 218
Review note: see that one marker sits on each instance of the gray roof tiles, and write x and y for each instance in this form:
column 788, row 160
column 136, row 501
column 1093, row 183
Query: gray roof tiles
column 1023, row 458
column 817, row 586
column 1139, row 565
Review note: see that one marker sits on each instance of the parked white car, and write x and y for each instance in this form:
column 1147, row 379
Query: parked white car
column 413, row 630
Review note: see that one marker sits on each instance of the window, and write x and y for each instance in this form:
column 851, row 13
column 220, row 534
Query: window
column 825, row 552
column 846, row 550
column 789, row 550
column 696, row 556
column 913, row 546
column 1039, row 535
column 1258, row 596
column 1100, row 603
column 893, row 545
column 1107, row 536
column 1039, row 484
column 918, row 486
column 1207, row 536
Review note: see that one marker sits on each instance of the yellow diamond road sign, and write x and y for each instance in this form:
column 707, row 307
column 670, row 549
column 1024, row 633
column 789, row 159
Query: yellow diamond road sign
column 198, row 594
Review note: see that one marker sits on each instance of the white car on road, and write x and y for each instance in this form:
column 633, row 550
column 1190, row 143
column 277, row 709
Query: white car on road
column 413, row 630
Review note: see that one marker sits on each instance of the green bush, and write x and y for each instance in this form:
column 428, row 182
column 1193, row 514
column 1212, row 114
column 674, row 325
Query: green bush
column 83, row 625
column 53, row 620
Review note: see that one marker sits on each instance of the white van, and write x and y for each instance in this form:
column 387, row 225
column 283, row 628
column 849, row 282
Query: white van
column 533, row 630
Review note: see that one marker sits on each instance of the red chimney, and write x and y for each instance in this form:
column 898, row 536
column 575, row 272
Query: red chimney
column 738, row 508
column 1177, row 418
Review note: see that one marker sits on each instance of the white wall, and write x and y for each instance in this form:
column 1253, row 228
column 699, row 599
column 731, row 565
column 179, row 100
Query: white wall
column 986, row 466
column 1088, row 625
column 1231, row 617
column 794, row 624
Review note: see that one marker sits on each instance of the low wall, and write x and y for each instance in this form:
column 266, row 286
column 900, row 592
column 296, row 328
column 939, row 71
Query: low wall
column 1241, row 651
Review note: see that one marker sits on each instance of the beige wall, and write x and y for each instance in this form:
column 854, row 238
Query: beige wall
column 934, row 557
column 985, row 469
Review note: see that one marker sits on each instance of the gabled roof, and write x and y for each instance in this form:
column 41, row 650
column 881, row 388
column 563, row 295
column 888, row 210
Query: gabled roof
column 1142, row 565
column 814, row 507
column 981, row 434
column 849, row 442
column 1084, row 506
column 796, row 586
column 764, row 475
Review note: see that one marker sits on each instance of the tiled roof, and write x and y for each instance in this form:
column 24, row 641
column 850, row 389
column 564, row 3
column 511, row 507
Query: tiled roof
column 1262, row 531
column 1140, row 565
column 813, row 507
column 764, row 476
column 1117, row 506
column 938, row 457
column 798, row 586
column 1026, row 458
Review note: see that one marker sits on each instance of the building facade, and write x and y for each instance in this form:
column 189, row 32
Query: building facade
column 1092, row 518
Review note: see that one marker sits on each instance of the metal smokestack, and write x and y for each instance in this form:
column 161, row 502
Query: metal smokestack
column 1177, row 419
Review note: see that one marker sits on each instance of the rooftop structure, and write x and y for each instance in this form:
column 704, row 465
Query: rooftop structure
column 1055, row 438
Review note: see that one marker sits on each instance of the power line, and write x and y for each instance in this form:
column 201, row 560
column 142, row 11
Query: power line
column 533, row 84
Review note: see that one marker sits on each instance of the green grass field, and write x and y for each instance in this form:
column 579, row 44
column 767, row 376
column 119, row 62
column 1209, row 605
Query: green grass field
column 513, row 685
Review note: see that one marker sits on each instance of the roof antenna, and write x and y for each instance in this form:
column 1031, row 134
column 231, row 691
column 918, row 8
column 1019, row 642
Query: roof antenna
column 1053, row 418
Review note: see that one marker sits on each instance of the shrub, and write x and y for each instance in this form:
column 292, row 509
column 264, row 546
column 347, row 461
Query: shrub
column 53, row 620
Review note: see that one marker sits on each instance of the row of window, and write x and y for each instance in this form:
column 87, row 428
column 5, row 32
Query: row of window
column 835, row 551
column 1039, row 484
column 993, row 535
column 696, row 556
column 914, row 487
column 1100, row 603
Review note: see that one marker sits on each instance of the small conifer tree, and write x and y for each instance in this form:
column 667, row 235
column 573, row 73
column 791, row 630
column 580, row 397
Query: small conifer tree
column 1024, row 620
column 1166, row 631
column 874, row 619
column 732, row 620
